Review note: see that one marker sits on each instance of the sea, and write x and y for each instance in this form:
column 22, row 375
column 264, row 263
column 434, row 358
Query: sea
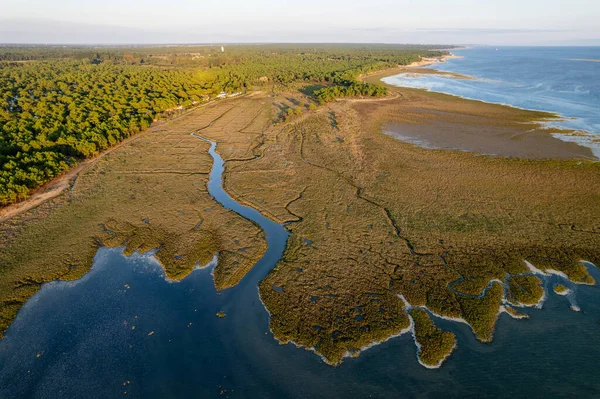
column 562, row 80
column 125, row 330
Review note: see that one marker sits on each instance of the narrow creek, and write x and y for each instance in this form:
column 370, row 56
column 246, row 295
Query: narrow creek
column 275, row 234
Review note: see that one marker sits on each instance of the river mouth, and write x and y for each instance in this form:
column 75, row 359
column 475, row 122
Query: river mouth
column 101, row 296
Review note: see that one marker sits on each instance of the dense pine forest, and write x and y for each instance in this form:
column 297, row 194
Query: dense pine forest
column 60, row 105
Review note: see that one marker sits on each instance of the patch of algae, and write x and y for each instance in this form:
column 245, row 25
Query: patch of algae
column 149, row 193
column 372, row 218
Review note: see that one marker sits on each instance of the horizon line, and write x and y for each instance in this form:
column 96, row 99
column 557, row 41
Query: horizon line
column 173, row 44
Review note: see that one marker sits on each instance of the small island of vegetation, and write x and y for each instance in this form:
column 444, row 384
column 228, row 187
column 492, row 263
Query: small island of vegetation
column 562, row 290
column 435, row 344
column 525, row 290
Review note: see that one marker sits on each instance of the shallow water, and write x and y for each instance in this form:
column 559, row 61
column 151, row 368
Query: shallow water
column 76, row 339
column 554, row 79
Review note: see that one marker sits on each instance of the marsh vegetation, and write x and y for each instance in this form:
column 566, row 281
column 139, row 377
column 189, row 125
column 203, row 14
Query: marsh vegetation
column 377, row 226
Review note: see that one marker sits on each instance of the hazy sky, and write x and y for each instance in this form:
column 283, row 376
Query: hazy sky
column 512, row 22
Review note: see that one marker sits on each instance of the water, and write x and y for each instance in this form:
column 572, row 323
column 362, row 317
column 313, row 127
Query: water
column 76, row 339
column 563, row 80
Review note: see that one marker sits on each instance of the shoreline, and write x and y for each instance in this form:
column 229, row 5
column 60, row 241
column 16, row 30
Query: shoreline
column 219, row 139
column 580, row 137
column 449, row 122
column 427, row 61
column 397, row 71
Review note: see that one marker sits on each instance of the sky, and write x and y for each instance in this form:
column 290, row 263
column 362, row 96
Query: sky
column 494, row 22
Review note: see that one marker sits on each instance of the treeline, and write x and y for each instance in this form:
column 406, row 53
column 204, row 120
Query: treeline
column 331, row 93
column 54, row 114
column 63, row 104
column 346, row 84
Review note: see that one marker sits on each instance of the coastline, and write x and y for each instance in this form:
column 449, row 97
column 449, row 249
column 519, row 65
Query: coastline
column 441, row 121
column 581, row 137
column 222, row 140
column 427, row 61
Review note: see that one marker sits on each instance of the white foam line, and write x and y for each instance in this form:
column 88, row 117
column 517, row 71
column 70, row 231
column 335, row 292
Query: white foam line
column 212, row 263
column 310, row 349
column 570, row 295
column 558, row 273
column 407, row 307
column 564, row 293
column 534, row 269
column 419, row 348
column 375, row 343
column 538, row 305
column 504, row 309
column 346, row 355
column 296, row 344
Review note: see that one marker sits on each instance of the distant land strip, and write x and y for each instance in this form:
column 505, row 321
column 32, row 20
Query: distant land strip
column 584, row 59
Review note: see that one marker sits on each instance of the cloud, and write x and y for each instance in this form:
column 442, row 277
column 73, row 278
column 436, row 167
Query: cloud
column 492, row 31
column 41, row 31
column 466, row 31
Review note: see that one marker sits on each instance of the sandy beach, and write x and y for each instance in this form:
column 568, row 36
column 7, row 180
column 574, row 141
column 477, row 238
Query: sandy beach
column 426, row 61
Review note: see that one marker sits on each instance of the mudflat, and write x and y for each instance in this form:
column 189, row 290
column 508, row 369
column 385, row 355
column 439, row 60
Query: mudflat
column 441, row 121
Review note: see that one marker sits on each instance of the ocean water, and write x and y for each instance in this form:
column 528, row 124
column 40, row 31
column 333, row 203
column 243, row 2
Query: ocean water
column 124, row 330
column 563, row 80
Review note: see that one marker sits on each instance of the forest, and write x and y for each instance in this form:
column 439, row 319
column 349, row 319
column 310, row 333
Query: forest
column 60, row 105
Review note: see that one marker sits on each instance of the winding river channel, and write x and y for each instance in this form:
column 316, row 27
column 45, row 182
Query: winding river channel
column 124, row 329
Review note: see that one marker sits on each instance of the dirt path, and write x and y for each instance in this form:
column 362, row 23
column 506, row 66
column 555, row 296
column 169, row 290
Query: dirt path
column 56, row 186
column 59, row 184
